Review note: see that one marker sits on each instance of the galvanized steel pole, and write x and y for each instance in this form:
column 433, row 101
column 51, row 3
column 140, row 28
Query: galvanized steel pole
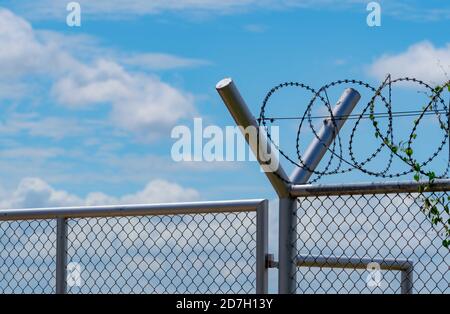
column 406, row 267
column 407, row 280
column 287, row 280
column 319, row 145
column 61, row 255
column 244, row 118
column 262, row 243
column 287, row 245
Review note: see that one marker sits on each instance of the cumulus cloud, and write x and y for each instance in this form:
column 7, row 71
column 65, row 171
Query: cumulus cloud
column 35, row 192
column 422, row 60
column 140, row 102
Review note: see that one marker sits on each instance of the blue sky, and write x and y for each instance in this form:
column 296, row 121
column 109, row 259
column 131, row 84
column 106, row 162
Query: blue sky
column 86, row 112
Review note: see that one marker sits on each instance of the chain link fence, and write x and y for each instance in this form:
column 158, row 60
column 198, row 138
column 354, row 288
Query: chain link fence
column 348, row 243
column 27, row 256
column 210, row 247
column 373, row 238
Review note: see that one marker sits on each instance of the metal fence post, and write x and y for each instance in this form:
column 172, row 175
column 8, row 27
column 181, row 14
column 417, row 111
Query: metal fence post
column 287, row 250
column 262, row 274
column 244, row 118
column 287, row 280
column 319, row 145
column 280, row 182
column 61, row 255
column 407, row 280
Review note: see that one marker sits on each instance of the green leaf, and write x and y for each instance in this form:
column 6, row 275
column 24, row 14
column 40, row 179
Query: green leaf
column 416, row 177
column 417, row 167
column 434, row 210
column 431, row 175
column 438, row 89
column 409, row 152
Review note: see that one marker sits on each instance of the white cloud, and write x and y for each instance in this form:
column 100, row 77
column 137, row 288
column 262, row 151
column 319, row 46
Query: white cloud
column 140, row 102
column 156, row 191
column 162, row 61
column 35, row 192
column 35, row 125
column 422, row 60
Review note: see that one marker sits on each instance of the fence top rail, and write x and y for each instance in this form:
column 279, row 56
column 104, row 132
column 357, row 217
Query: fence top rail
column 132, row 210
column 367, row 188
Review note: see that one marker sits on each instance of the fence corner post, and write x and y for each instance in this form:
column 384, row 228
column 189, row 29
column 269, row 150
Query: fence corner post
column 61, row 255
column 262, row 244
column 407, row 279
column 287, row 254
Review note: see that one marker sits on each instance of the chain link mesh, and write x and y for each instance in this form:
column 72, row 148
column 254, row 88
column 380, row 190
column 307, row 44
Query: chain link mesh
column 202, row 253
column 377, row 227
column 186, row 253
column 27, row 256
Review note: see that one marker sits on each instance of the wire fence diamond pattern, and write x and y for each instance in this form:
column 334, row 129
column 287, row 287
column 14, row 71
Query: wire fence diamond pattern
column 27, row 256
column 375, row 227
column 204, row 253
column 200, row 247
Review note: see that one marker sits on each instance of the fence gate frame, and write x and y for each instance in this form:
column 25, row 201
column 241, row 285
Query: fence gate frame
column 62, row 214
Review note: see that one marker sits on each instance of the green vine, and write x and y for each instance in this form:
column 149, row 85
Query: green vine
column 430, row 203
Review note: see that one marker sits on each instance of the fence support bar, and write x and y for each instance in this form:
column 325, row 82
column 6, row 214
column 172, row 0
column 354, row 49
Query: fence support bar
column 287, row 249
column 407, row 281
column 61, row 255
column 439, row 185
column 262, row 243
column 130, row 210
column 262, row 148
column 406, row 267
column 319, row 145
